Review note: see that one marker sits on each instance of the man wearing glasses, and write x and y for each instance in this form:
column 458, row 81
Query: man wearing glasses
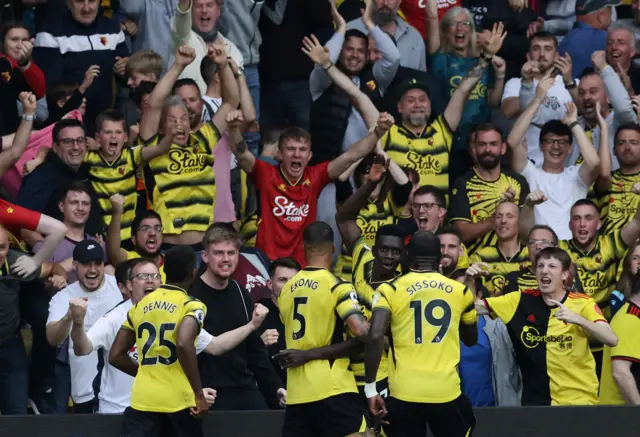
column 42, row 189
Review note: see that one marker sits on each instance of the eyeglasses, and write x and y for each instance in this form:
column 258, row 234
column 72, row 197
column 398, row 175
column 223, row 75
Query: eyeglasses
column 147, row 228
column 147, row 276
column 541, row 243
column 81, row 141
column 427, row 206
column 464, row 23
column 552, row 141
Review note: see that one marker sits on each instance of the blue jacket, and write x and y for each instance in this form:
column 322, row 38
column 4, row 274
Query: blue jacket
column 580, row 43
column 65, row 49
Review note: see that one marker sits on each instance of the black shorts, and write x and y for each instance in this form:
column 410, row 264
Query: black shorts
column 382, row 387
column 409, row 419
column 150, row 424
column 338, row 415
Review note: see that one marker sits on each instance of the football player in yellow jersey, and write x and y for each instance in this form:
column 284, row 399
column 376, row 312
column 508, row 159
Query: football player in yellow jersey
column 167, row 392
column 618, row 199
column 315, row 306
column 428, row 315
column 550, row 329
column 620, row 380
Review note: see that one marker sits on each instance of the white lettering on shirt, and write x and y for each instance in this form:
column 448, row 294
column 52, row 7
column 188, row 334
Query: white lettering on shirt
column 286, row 208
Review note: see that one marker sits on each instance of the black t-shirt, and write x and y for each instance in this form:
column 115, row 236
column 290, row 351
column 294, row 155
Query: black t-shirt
column 9, row 295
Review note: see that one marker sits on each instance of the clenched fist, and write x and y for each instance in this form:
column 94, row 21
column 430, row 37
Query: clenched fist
column 78, row 309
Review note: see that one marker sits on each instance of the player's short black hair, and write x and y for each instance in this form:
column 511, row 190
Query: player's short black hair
column 179, row 264
column 390, row 231
column 557, row 253
column 285, row 262
column 146, row 214
column 436, row 192
column 582, row 202
column 449, row 230
column 317, row 234
column 425, row 245
column 546, row 228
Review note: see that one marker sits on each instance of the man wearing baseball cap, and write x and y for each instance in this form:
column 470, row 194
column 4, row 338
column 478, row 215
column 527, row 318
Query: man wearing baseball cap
column 102, row 294
column 589, row 33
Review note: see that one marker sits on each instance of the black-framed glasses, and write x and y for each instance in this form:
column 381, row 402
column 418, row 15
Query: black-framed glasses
column 147, row 228
column 81, row 141
column 426, row 205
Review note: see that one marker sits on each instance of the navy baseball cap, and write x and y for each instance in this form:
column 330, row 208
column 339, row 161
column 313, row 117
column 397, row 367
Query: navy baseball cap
column 87, row 251
column 584, row 7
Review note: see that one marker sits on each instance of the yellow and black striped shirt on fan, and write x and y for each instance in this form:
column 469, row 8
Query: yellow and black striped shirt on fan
column 427, row 153
column 499, row 267
column 118, row 177
column 365, row 289
column 598, row 268
column 524, row 279
column 474, row 199
column 618, row 205
column 182, row 184
column 369, row 220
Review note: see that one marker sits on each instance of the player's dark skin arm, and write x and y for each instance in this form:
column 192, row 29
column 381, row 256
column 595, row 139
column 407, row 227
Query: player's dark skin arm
column 290, row 358
column 118, row 356
column 187, row 333
column 375, row 343
column 348, row 213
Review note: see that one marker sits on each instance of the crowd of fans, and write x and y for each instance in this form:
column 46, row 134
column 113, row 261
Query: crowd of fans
column 130, row 128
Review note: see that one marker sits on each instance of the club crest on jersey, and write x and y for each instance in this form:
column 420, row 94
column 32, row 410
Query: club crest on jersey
column 6, row 76
column 122, row 169
column 282, row 187
column 306, row 182
column 103, row 40
column 9, row 210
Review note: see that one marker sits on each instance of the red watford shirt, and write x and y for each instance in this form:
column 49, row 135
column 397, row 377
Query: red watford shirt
column 413, row 11
column 14, row 217
column 286, row 208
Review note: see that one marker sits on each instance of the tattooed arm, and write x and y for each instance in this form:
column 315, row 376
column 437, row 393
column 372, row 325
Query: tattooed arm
column 453, row 112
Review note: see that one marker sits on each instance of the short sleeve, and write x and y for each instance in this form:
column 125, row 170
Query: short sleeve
column 58, row 306
column 511, row 88
column 469, row 315
column 530, row 171
column 319, row 175
column 612, row 246
column 261, row 172
column 628, row 347
column 440, row 125
column 195, row 309
column 136, row 155
column 202, row 341
column 383, row 297
column 14, row 217
column 591, row 311
column 460, row 208
column 346, row 300
column 505, row 306
column 128, row 324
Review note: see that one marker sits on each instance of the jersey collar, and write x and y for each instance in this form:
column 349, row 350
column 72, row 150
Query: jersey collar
column 173, row 287
column 286, row 179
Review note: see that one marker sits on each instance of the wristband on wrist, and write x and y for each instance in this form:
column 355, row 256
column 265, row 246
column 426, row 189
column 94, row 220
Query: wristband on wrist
column 571, row 85
column 574, row 124
column 328, row 66
column 24, row 63
column 370, row 390
column 28, row 117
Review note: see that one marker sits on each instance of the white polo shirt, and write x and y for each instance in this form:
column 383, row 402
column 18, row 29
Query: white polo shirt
column 84, row 369
column 115, row 386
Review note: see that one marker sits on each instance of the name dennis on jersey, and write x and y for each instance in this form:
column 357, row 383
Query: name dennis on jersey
column 160, row 305
column 291, row 212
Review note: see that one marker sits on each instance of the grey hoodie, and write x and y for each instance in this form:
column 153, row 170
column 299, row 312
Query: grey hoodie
column 239, row 23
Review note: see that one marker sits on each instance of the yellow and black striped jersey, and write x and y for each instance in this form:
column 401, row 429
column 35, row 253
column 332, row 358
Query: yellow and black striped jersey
column 618, row 205
column 499, row 267
column 474, row 199
column 427, row 153
column 117, row 177
column 598, row 267
column 182, row 183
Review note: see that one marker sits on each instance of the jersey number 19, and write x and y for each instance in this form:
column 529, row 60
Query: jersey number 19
column 440, row 319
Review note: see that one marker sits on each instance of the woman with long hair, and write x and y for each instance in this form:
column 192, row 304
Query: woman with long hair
column 630, row 266
column 18, row 73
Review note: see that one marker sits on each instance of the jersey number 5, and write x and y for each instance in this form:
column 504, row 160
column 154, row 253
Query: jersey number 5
column 162, row 342
column 297, row 301
column 442, row 320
